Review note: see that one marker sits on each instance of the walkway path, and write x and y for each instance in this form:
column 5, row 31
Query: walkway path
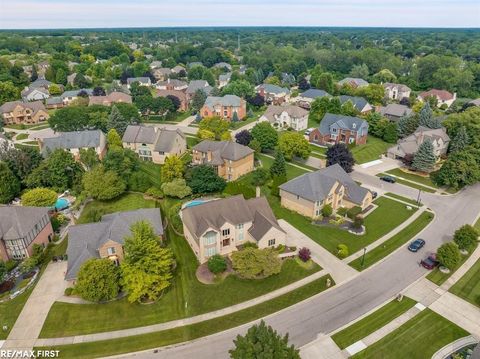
column 49, row 288
column 340, row 271
column 187, row 121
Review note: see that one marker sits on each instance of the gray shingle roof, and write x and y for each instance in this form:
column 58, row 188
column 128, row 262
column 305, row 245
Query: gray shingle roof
column 400, row 87
column 223, row 150
column 274, row 89
column 292, row 110
column 75, row 139
column 142, row 80
column 74, row 93
column 162, row 139
column 315, row 186
column 227, row 100
column 84, row 240
column 343, row 122
column 234, row 210
column 396, row 110
column 195, row 85
column 17, row 221
column 40, row 83
column 358, row 102
column 314, row 93
column 353, row 80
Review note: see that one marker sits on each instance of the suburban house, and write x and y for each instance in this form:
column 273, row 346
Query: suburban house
column 17, row 112
column 71, row 78
column 224, row 79
column 111, row 98
column 359, row 103
column 155, row 65
column 142, row 81
column 195, row 85
column 105, row 239
column 35, row 94
column 222, row 226
column 223, row 66
column 354, row 82
column 340, row 129
column 409, row 145
column 69, row 96
column 230, row 159
column 54, row 102
column 306, row 98
column 283, row 117
column 171, row 84
column 21, row 228
column 154, row 144
column 307, row 194
column 443, row 97
column 273, row 94
column 225, row 107
column 396, row 91
column 395, row 112
column 75, row 141
column 182, row 97
column 177, row 69
column 162, row 73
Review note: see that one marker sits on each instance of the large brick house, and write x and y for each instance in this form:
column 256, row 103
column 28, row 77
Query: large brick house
column 105, row 239
column 230, row 159
column 225, row 107
column 307, row 194
column 220, row 226
column 17, row 112
column 340, row 129
column 182, row 97
column 283, row 117
column 154, row 144
column 21, row 228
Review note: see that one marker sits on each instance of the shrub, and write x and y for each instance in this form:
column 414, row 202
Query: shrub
column 250, row 245
column 358, row 222
column 448, row 255
column 251, row 263
column 27, row 265
column 68, row 291
column 235, row 187
column 342, row 211
column 280, row 248
column 342, row 251
column 465, row 237
column 304, row 254
column 327, row 210
column 353, row 212
column 39, row 197
column 176, row 188
column 154, row 192
column 98, row 280
column 10, row 265
column 217, row 264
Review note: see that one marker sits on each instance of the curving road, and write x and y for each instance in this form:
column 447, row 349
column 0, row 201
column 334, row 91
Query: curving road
column 340, row 305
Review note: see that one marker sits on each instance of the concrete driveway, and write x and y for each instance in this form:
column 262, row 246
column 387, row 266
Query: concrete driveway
column 49, row 288
column 378, row 166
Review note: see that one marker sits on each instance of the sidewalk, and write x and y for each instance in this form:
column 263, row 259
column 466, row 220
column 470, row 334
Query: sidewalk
column 339, row 270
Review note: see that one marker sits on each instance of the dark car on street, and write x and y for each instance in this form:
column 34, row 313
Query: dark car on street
column 416, row 245
column 430, row 262
column 388, row 179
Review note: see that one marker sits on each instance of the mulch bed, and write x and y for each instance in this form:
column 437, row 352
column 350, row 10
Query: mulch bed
column 206, row 277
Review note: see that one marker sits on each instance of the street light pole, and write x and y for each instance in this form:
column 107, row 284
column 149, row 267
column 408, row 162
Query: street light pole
column 363, row 257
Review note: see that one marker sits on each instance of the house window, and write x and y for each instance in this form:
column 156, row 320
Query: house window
column 211, row 251
column 226, row 242
column 111, row 251
column 334, row 130
column 210, row 238
column 271, row 242
column 317, row 212
column 226, row 232
column 351, row 140
column 240, row 226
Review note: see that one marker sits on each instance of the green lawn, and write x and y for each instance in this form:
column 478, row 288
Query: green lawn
column 19, row 145
column 372, row 322
column 321, row 150
column 192, row 141
column 419, row 338
column 370, row 151
column 238, row 124
column 152, row 170
column 292, row 171
column 409, row 184
column 438, row 277
column 468, row 287
column 412, row 177
column 401, row 198
column 394, row 242
column 186, row 297
column 193, row 331
column 22, row 136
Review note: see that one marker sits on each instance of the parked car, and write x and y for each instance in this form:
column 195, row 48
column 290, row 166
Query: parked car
column 416, row 245
column 308, row 131
column 388, row 179
column 374, row 194
column 430, row 262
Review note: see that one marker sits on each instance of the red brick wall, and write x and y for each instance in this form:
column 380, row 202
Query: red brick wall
column 42, row 237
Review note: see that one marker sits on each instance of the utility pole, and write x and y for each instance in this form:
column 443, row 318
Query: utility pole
column 418, row 198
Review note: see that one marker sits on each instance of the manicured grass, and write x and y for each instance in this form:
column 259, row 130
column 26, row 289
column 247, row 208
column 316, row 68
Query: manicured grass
column 40, row 127
column 409, row 184
column 438, row 277
column 372, row 322
column 186, row 297
column 22, row 136
column 315, row 148
column 394, row 242
column 318, row 155
column 238, row 124
column 412, row 177
column 401, row 198
column 193, row 331
column 22, row 126
column 19, row 145
column 127, row 202
column 192, row 141
column 468, row 287
column 371, row 151
column 292, row 171
column 419, row 338
column 10, row 310
column 152, row 170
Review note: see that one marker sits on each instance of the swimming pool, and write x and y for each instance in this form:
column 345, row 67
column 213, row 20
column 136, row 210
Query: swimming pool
column 61, row 203
column 195, row 202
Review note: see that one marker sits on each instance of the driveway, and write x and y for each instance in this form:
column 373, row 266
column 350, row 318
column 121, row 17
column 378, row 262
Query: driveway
column 49, row 288
column 378, row 166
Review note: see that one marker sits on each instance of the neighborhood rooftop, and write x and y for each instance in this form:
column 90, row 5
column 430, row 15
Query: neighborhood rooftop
column 223, row 150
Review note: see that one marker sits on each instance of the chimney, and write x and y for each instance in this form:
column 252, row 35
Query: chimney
column 257, row 191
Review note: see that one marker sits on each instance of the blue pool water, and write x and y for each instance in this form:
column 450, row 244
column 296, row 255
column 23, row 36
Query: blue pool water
column 194, row 203
column 61, row 203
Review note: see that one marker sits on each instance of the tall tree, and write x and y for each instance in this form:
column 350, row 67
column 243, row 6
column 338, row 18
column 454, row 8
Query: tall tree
column 293, row 144
column 198, row 100
column 424, row 159
column 117, row 121
column 460, row 141
column 147, row 267
column 325, row 82
column 264, row 133
column 8, row 92
column 262, row 341
column 103, row 185
column 279, row 167
column 9, row 184
column 173, row 168
column 114, row 139
column 204, row 179
column 98, row 280
column 243, row 137
column 339, row 153
column 407, row 125
column 39, row 197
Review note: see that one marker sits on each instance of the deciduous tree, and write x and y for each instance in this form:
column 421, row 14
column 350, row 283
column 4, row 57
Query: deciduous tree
column 39, row 197
column 339, row 153
column 176, row 188
column 98, row 280
column 264, row 133
column 103, row 185
column 173, row 168
column 204, row 179
column 293, row 144
column 9, row 184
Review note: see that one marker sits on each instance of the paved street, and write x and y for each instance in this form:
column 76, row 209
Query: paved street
column 338, row 306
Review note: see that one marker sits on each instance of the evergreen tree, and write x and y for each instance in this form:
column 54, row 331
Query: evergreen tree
column 390, row 134
column 34, row 74
column 114, row 139
column 262, row 341
column 9, row 184
column 198, row 100
column 117, row 121
column 424, row 159
column 407, row 125
column 61, row 77
column 279, row 167
column 235, row 117
column 460, row 141
column 426, row 118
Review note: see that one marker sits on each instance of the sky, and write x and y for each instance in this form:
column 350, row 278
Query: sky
column 48, row 14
